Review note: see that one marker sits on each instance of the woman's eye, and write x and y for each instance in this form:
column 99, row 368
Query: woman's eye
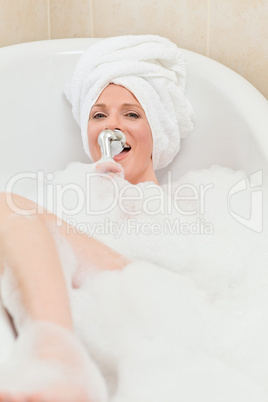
column 98, row 115
column 133, row 115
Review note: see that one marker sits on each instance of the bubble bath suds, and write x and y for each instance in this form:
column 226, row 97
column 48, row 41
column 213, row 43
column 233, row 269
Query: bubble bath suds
column 189, row 317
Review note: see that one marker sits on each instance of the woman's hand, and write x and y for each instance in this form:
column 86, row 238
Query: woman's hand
column 110, row 167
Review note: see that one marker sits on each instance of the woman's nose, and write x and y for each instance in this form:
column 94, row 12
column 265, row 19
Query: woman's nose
column 113, row 123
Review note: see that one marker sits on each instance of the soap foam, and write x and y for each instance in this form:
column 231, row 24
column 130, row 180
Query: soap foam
column 188, row 318
column 48, row 358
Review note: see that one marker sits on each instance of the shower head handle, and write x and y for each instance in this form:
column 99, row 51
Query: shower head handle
column 111, row 143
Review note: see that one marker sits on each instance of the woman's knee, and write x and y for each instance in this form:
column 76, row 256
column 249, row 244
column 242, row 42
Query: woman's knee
column 16, row 204
column 5, row 211
column 15, row 208
column 13, row 205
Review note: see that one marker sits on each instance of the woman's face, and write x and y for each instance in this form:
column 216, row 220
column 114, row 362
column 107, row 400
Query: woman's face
column 117, row 108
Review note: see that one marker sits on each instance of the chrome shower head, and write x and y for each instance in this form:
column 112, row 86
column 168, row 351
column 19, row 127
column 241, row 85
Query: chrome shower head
column 111, row 143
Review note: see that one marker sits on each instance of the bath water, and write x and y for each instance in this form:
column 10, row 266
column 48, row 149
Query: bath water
column 188, row 318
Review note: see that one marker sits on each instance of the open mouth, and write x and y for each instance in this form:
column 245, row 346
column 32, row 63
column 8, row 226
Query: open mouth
column 123, row 153
column 126, row 149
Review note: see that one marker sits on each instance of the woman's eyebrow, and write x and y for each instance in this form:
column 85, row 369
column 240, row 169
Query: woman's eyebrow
column 99, row 105
column 103, row 105
column 132, row 104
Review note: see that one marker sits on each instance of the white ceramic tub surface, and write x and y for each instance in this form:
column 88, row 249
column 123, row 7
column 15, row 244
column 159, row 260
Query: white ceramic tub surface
column 37, row 130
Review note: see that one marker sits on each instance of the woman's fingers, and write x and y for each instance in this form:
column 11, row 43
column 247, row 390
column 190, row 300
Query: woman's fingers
column 109, row 167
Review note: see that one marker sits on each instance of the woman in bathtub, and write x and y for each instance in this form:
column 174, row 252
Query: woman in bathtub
column 135, row 84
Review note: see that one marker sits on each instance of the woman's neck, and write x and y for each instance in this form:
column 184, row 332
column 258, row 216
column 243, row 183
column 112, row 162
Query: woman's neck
column 145, row 176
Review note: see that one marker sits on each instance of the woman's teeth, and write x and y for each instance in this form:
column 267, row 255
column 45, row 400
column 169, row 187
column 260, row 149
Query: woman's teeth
column 126, row 149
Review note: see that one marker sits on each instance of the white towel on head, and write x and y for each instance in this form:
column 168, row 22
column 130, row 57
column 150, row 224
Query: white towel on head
column 154, row 70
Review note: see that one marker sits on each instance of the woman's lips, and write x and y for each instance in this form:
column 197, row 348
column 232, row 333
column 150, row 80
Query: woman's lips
column 123, row 154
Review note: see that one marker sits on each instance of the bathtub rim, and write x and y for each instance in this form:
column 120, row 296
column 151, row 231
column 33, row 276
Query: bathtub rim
column 244, row 94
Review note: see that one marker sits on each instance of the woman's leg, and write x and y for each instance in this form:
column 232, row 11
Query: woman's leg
column 28, row 252
column 29, row 255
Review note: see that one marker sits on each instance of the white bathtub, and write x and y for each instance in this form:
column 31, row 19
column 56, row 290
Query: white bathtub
column 37, row 130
